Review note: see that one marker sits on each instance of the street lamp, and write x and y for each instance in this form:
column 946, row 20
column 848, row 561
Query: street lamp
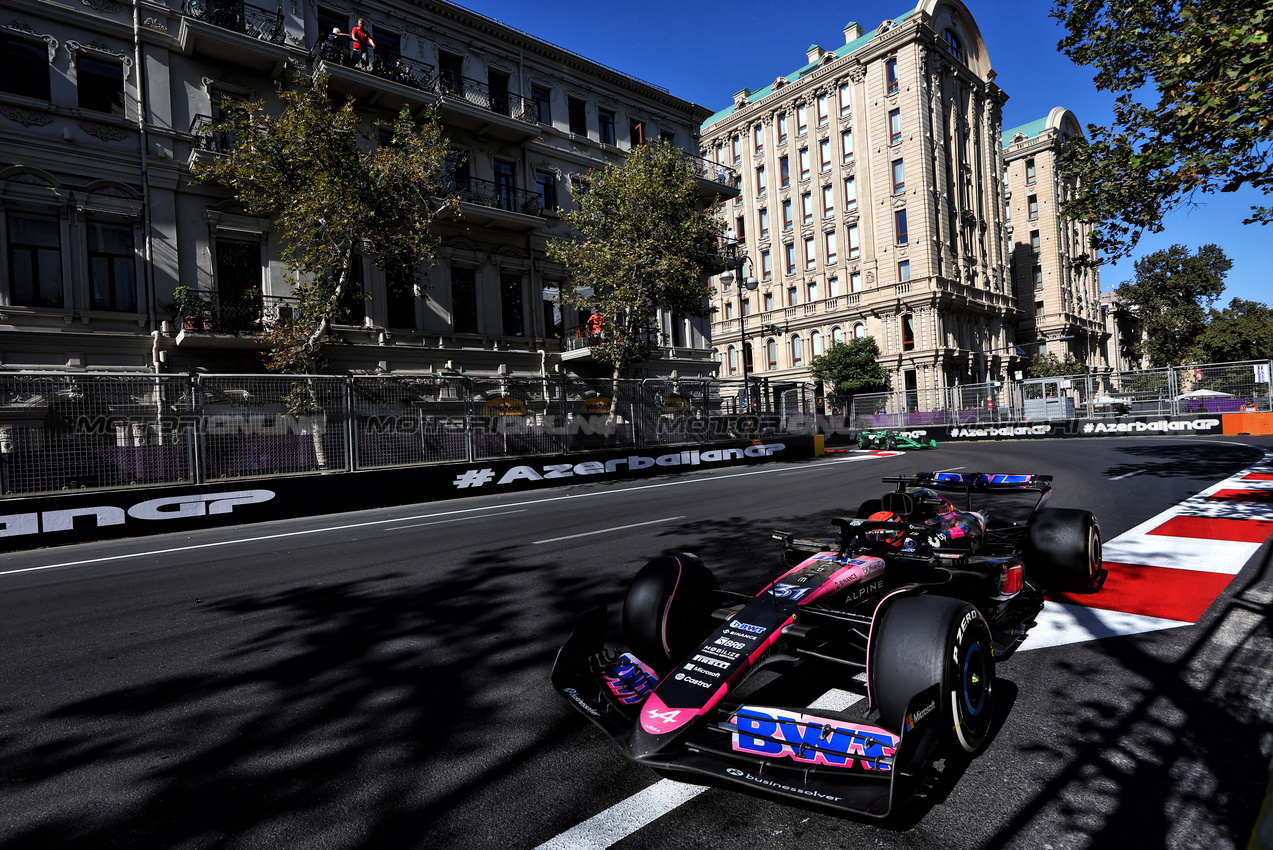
column 750, row 284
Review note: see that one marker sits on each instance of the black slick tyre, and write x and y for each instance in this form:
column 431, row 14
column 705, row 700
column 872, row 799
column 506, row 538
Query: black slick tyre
column 921, row 641
column 1063, row 550
column 667, row 610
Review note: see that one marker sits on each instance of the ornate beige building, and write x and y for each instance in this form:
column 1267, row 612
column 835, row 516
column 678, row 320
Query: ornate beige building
column 105, row 104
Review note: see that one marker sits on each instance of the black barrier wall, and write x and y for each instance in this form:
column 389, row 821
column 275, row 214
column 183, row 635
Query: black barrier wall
column 99, row 515
column 1128, row 426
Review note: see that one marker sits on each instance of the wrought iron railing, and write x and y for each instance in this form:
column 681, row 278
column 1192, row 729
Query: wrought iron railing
column 238, row 17
column 487, row 193
column 383, row 63
column 714, row 171
column 501, row 101
column 237, row 312
column 206, row 136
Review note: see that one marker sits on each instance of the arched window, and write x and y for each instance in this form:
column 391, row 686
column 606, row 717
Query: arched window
column 797, row 351
column 837, row 335
column 733, row 360
column 815, row 344
column 952, row 41
column 771, row 351
column 859, row 331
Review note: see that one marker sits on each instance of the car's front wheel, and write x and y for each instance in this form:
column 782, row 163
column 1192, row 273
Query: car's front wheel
column 667, row 609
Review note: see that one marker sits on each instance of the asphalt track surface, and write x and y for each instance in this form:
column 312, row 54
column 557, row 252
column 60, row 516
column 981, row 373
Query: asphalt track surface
column 380, row 679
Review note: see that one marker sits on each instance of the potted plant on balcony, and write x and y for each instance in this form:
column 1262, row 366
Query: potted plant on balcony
column 192, row 308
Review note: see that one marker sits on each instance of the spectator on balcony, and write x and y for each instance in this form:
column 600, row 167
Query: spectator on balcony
column 331, row 46
column 594, row 325
column 402, row 73
column 362, row 40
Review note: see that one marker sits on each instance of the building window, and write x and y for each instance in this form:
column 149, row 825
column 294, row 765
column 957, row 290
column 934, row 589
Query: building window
column 855, row 282
column 541, row 98
column 846, row 142
column 1029, row 171
column 903, row 271
column 854, row 249
column 771, row 354
column 1036, row 274
column 813, row 291
column 895, row 127
column 764, row 224
column 832, row 252
column 828, row 201
column 26, row 68
column 844, row 99
column 238, row 268
column 822, row 109
column 668, row 136
column 859, row 330
column 784, row 171
column 810, row 256
column 833, row 287
column 899, row 226
column 850, row 193
column 510, row 290
column 1038, row 311
column 890, row 75
column 505, row 186
column 732, row 359
column 793, row 297
column 782, row 127
column 35, row 260
column 741, row 223
column 747, row 305
column 786, row 215
column 797, row 351
column 908, row 333
column 758, row 134
column 496, row 83
column 766, row 266
column 1034, row 242
column 451, row 71
column 952, row 41
column 804, row 163
column 464, row 301
column 578, row 118
column 554, row 322
column 547, row 183
column 400, row 309
column 100, row 84
column 769, row 301
column 802, row 119
column 806, row 208
column 760, row 180
column 636, row 135
column 815, row 344
column 1033, row 203
column 837, row 336
column 605, row 126
column 112, row 275
column 899, row 177
column 729, row 309
column 824, row 154
column 789, row 251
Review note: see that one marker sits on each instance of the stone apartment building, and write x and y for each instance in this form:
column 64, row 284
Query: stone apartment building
column 105, row 104
column 874, row 204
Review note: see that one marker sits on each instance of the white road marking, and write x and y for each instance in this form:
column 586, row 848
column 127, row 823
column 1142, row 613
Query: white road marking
column 1180, row 553
column 457, row 519
column 607, row 530
column 1060, row 624
column 1127, row 475
column 952, row 469
column 622, row 819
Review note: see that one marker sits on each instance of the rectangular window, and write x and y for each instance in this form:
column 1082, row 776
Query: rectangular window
column 890, row 75
column 760, row 180
column 505, row 186
column 899, row 177
column 769, row 301
column 789, row 251
column 758, row 136
column 784, row 171
column 855, row 282
column 740, row 223
column 802, row 119
column 510, row 291
column 810, row 254
column 450, row 71
column 895, row 127
column 496, row 83
column 729, row 310
column 464, row 301
column 766, row 266
column 541, row 98
column 636, row 135
column 100, row 84
column 899, row 226
column 782, row 127
column 813, row 290
column 822, row 109
column 824, row 154
column 668, row 136
column 1038, row 311
column 26, row 67
column 1036, row 274
column 846, row 144
column 1029, row 171
column 1034, row 242
column 832, row 252
column 554, row 323
column 605, row 126
column 736, row 146
column 35, row 260
column 786, row 215
column 578, row 119
column 747, row 305
column 806, row 208
column 546, row 181
column 793, row 298
column 764, row 224
column 400, row 306
column 904, row 271
column 112, row 274
column 833, row 287
column 804, row 163
column 854, row 248
column 828, row 202
column 850, row 193
column 1033, row 202
column 844, row 99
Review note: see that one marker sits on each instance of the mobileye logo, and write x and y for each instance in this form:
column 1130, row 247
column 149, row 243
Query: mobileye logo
column 170, row 507
column 746, row 627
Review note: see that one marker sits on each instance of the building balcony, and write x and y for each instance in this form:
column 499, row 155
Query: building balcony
column 389, row 80
column 497, row 206
column 489, row 114
column 232, row 320
column 714, row 180
column 235, row 33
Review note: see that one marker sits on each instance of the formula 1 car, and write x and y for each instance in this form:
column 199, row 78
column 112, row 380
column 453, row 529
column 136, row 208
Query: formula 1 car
column 914, row 596
column 891, row 440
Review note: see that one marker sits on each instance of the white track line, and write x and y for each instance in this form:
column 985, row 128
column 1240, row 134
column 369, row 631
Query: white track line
column 444, row 521
column 606, row 530
column 1127, row 475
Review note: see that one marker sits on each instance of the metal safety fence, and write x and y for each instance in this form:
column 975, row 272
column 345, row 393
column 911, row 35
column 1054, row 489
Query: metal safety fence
column 73, row 431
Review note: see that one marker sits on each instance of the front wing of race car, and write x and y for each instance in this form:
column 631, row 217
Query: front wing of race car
column 785, row 752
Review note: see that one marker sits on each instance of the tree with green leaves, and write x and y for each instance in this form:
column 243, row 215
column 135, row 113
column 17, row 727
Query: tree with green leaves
column 1171, row 294
column 1241, row 331
column 332, row 191
column 1050, row 366
column 1210, row 130
column 641, row 243
column 847, row 369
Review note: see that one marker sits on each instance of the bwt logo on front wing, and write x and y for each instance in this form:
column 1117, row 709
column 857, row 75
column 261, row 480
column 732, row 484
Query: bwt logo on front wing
column 170, row 507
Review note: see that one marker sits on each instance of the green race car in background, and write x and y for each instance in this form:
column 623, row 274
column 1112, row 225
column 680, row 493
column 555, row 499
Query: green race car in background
column 890, row 440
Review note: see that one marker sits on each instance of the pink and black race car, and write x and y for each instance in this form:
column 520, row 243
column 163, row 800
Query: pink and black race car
column 916, row 597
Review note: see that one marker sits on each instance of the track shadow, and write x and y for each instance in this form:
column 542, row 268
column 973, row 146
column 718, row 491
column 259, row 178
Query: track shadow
column 1202, row 459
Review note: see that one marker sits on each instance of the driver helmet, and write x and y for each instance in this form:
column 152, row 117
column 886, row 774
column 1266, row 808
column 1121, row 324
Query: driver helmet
column 892, row 538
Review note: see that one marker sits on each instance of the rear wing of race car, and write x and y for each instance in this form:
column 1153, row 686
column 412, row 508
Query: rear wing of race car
column 969, row 483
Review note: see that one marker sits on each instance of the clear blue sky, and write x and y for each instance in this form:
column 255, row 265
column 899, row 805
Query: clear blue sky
column 704, row 52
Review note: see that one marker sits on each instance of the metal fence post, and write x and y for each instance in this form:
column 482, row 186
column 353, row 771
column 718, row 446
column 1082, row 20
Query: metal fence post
column 470, row 439
column 199, row 444
column 351, row 425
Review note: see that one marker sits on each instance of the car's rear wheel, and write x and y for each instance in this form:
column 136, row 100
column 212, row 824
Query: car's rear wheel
column 1063, row 550
column 667, row 610
column 921, row 641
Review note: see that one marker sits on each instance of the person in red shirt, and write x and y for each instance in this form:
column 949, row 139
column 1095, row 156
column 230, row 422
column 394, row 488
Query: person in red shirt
column 361, row 41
